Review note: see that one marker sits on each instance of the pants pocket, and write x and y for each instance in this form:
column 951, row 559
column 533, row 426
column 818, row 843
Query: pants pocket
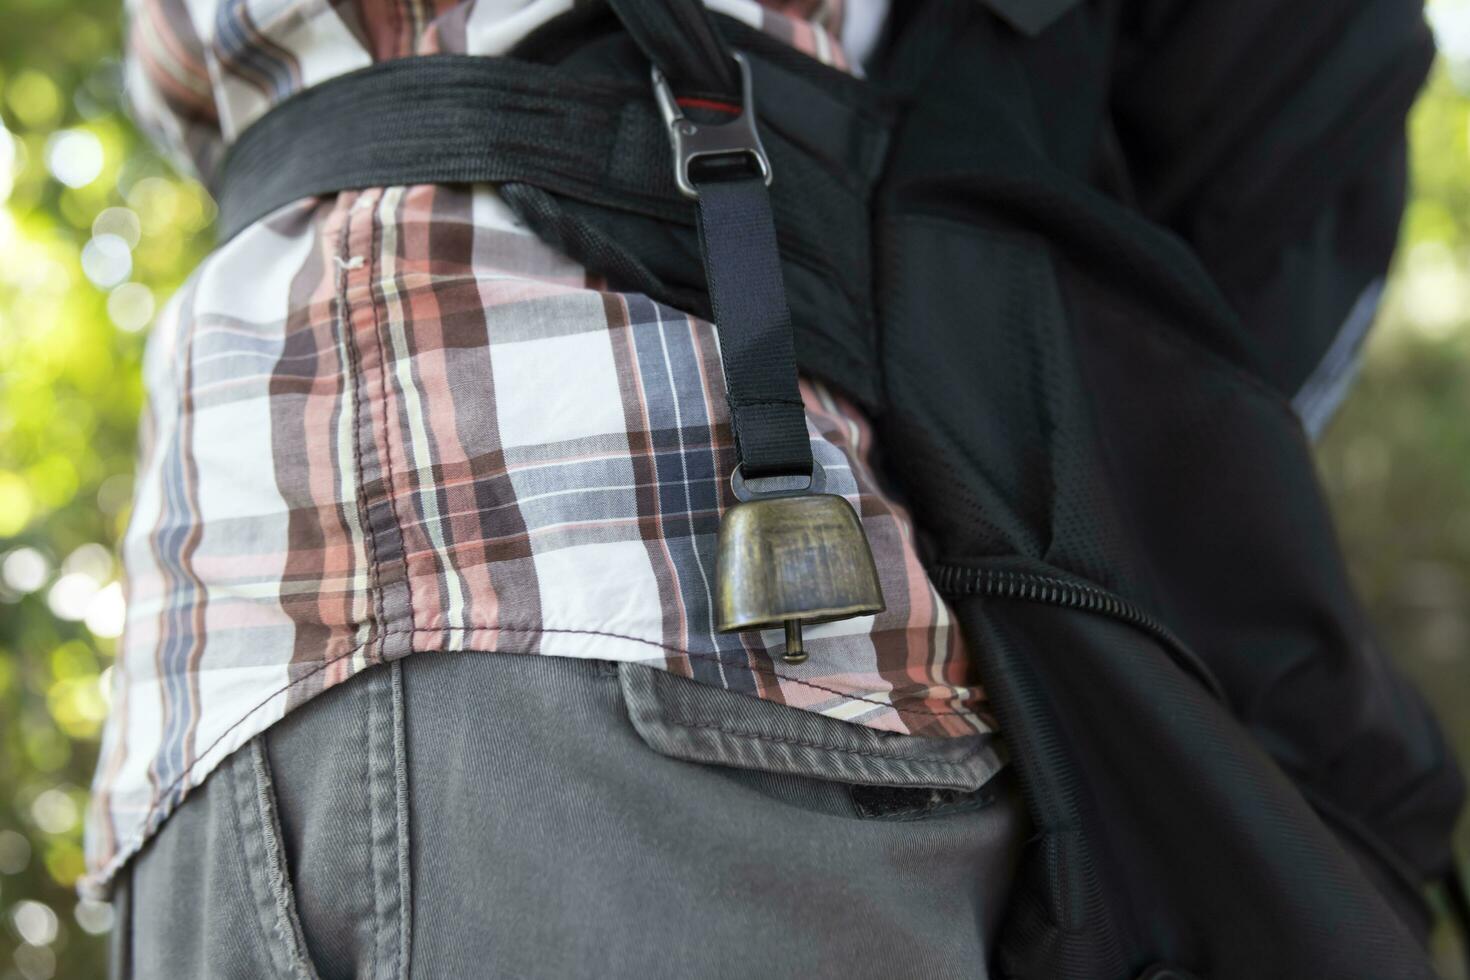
column 211, row 896
column 882, row 774
column 263, row 846
column 581, row 820
column 336, row 777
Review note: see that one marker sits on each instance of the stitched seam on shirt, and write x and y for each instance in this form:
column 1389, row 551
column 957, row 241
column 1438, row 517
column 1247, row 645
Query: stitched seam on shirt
column 388, row 423
column 672, row 649
column 323, row 665
column 344, row 323
column 190, row 547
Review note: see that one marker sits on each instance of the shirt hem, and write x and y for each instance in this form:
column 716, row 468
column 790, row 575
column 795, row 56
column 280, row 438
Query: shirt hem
column 97, row 884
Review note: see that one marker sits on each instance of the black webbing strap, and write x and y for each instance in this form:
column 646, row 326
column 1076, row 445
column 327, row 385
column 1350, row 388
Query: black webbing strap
column 720, row 162
column 737, row 233
column 680, row 38
column 737, row 242
column 742, row 266
column 451, row 119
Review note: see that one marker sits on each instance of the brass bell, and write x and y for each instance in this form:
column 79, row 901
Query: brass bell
column 786, row 560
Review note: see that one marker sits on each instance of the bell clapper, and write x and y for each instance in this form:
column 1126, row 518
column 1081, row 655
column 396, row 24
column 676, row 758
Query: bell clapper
column 795, row 652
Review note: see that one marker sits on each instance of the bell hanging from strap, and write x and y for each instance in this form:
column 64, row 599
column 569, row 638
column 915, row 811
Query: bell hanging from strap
column 785, row 557
column 786, row 560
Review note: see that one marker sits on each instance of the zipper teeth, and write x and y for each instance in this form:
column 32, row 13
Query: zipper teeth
column 1005, row 583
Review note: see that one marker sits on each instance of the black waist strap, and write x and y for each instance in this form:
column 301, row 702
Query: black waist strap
column 452, row 119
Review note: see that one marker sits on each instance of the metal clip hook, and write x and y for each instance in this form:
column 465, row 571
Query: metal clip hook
column 693, row 141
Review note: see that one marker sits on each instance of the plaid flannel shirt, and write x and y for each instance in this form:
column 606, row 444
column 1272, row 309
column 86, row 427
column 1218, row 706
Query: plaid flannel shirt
column 394, row 421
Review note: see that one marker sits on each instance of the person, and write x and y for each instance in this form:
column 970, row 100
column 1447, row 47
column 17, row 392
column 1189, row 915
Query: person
column 425, row 672
column 394, row 422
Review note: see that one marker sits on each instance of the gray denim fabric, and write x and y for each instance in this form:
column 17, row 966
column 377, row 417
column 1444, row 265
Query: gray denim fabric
column 490, row 815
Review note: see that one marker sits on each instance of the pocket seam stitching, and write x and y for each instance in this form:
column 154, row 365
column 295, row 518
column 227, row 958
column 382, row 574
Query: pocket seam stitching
column 657, row 717
column 278, row 881
column 683, row 722
column 243, row 808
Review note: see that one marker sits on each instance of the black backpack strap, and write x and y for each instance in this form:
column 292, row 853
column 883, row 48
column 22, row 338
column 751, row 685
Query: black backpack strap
column 680, row 38
column 449, row 119
column 737, row 239
column 720, row 163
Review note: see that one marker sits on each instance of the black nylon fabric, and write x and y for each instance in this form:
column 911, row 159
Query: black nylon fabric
column 1021, row 252
column 1284, row 172
column 1068, row 384
column 1272, row 892
column 449, row 119
column 748, row 299
column 1065, row 381
column 738, row 251
column 681, row 39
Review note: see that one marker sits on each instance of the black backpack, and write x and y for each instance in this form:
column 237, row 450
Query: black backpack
column 1083, row 263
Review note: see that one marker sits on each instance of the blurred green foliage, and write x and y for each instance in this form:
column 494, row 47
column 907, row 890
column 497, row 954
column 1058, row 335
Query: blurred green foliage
column 95, row 230
column 1396, row 460
column 70, row 394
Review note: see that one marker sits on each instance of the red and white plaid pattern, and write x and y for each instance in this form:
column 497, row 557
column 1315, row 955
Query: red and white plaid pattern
column 395, row 421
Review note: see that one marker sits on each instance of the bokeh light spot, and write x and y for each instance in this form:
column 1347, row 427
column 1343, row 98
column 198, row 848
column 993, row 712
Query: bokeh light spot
column 15, row 504
column 1435, row 290
column 74, row 157
column 34, row 922
column 122, row 222
column 107, row 260
column 71, row 595
column 25, row 570
column 107, row 612
column 77, row 706
column 35, row 962
column 156, row 202
column 130, row 306
column 115, row 493
column 92, row 560
column 33, row 98
column 95, row 918
column 52, row 480
column 9, row 163
column 15, row 853
column 64, row 861
column 54, row 812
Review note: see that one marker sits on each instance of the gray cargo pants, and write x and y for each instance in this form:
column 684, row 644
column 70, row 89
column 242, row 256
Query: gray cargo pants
column 492, row 815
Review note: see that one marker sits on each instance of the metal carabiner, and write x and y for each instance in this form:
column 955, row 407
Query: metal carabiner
column 693, row 141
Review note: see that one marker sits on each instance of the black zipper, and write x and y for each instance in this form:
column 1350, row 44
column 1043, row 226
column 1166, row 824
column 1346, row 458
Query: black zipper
column 1055, row 590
